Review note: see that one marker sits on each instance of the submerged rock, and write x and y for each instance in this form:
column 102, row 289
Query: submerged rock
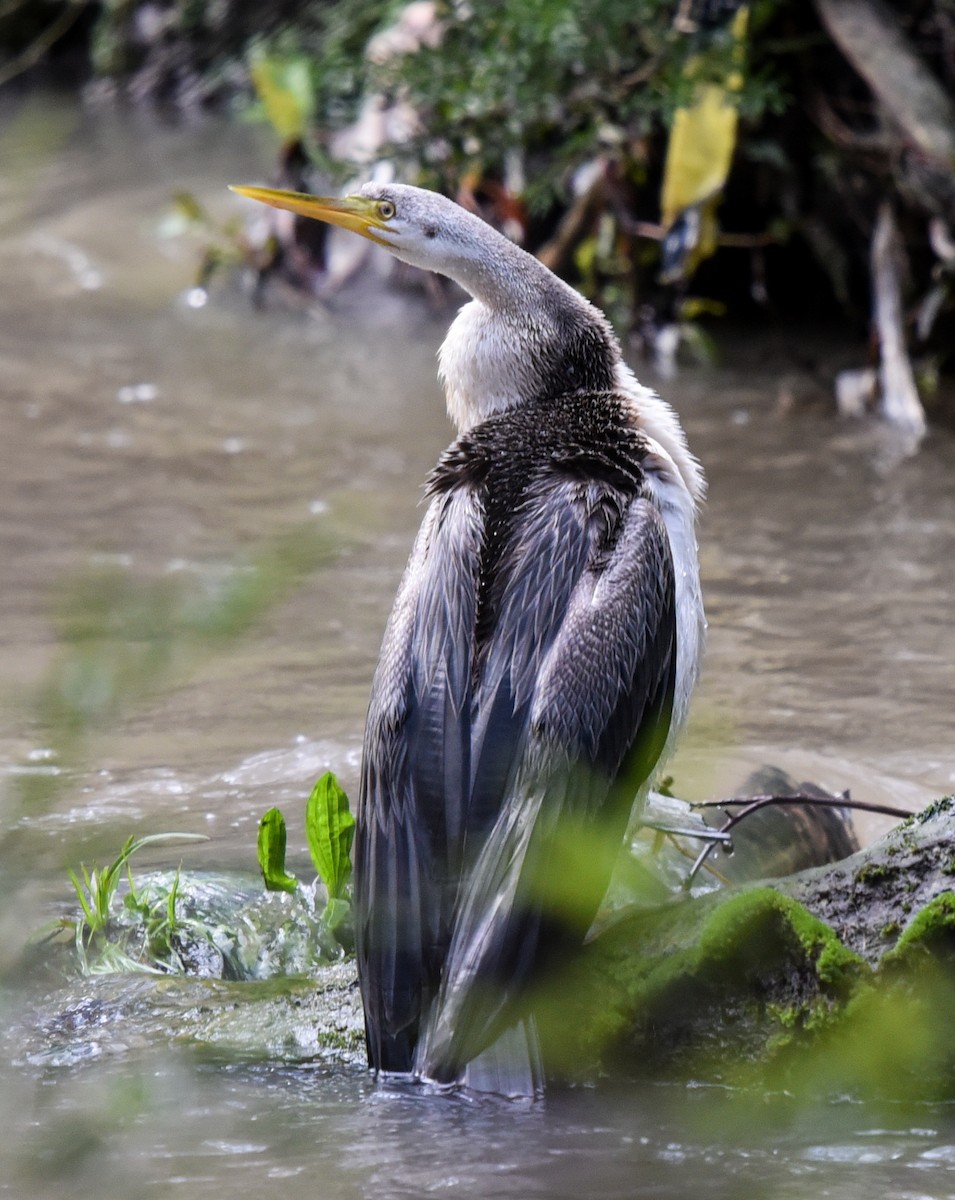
column 291, row 1020
column 835, row 977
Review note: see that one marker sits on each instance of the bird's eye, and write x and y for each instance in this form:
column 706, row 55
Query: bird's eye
column 386, row 210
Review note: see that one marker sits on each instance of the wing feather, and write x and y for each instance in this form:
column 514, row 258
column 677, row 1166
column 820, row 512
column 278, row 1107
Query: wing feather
column 414, row 783
column 489, row 741
column 586, row 740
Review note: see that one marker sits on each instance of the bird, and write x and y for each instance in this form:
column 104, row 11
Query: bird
column 538, row 662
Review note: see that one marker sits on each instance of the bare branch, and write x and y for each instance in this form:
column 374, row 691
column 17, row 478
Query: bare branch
column 870, row 37
column 751, row 804
column 41, row 44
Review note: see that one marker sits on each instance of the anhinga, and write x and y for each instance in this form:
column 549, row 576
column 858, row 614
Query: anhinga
column 538, row 660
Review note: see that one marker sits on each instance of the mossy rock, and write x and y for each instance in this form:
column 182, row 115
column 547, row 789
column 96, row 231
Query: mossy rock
column 929, row 938
column 723, row 978
column 870, row 898
column 895, row 1036
column 754, row 986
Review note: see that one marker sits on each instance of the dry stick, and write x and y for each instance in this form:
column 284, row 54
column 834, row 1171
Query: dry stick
column 751, row 804
column 901, row 406
column 39, row 46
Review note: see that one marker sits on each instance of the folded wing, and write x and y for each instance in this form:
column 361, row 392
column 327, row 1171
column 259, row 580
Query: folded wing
column 571, row 712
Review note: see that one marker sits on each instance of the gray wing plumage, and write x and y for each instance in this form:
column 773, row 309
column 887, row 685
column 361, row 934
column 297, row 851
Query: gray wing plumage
column 596, row 722
column 483, row 751
column 415, row 769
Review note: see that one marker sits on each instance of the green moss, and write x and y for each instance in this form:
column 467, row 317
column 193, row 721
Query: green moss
column 836, row 965
column 886, row 1041
column 720, row 980
column 750, row 987
column 762, row 915
column 895, row 1036
column 930, row 933
column 873, row 873
column 787, row 1016
column 945, row 806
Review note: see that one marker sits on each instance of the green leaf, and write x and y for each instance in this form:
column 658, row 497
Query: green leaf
column 171, row 903
column 336, row 911
column 271, row 851
column 330, row 829
column 91, row 919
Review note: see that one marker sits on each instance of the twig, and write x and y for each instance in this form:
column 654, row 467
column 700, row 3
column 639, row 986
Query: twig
column 843, row 801
column 838, row 132
column 706, row 835
column 637, row 78
column 43, row 41
column 751, row 804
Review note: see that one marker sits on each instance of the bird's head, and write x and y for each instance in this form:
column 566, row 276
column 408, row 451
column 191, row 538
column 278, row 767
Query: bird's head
column 420, row 227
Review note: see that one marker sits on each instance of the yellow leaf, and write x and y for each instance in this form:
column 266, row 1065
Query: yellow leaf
column 285, row 88
column 700, row 152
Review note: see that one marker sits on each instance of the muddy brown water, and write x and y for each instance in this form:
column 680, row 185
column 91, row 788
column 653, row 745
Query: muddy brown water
column 143, row 433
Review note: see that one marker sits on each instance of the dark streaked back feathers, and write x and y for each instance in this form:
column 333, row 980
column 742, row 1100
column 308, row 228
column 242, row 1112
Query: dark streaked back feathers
column 525, row 679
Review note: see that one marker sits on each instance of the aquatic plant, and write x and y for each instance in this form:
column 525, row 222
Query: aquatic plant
column 165, row 924
column 137, row 935
column 330, row 831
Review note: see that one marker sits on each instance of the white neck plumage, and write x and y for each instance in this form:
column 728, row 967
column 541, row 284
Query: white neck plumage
column 502, row 345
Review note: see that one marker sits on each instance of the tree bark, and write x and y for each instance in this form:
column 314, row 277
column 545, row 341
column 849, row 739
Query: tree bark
column 869, row 36
column 900, row 402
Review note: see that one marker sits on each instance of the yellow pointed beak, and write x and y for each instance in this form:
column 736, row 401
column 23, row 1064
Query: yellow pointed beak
column 350, row 212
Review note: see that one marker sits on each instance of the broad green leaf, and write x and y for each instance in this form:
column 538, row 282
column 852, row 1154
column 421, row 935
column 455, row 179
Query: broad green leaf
column 330, row 829
column 271, row 851
column 336, row 911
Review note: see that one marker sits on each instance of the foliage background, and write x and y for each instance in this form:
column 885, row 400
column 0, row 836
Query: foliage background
column 530, row 92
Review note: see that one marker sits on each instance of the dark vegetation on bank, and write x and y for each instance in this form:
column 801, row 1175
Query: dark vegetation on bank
column 555, row 118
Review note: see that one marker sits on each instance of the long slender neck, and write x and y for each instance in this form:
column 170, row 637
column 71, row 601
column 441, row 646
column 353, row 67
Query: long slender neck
column 527, row 334
column 497, row 272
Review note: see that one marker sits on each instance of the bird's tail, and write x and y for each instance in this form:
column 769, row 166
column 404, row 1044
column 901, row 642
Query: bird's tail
column 510, row 1067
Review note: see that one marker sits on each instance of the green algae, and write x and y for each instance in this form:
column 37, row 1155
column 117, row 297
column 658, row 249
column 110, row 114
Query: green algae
column 930, row 933
column 717, row 979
